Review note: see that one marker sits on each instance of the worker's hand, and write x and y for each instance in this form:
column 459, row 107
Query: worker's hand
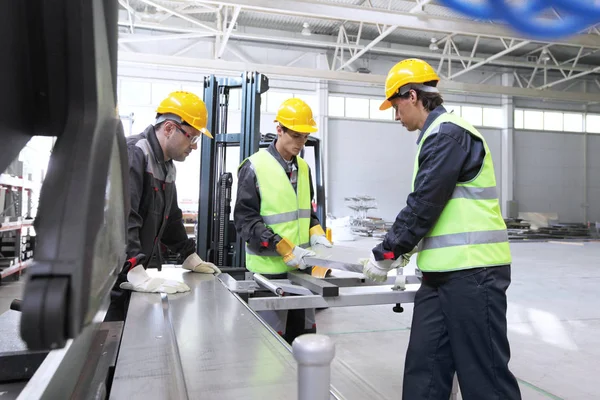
column 293, row 256
column 377, row 271
column 138, row 280
column 317, row 236
column 194, row 263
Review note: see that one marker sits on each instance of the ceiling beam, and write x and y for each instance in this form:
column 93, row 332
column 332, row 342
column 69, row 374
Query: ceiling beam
column 234, row 17
column 222, row 66
column 329, row 42
column 419, row 22
column 378, row 39
column 179, row 15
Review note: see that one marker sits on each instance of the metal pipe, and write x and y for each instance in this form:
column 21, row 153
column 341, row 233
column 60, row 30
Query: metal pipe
column 267, row 284
column 314, row 354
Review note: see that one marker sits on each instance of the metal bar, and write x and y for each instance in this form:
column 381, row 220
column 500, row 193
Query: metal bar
column 156, row 38
column 579, row 75
column 419, row 7
column 474, row 50
column 295, row 60
column 315, row 285
column 264, row 282
column 234, row 17
column 239, row 55
column 518, row 79
column 186, row 49
column 179, row 15
column 457, row 52
column 556, row 62
column 348, row 297
column 576, row 60
column 487, row 78
column 491, row 58
column 369, row 46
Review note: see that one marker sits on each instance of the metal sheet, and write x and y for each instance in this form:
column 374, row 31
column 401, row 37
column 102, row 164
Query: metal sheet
column 338, row 257
column 224, row 351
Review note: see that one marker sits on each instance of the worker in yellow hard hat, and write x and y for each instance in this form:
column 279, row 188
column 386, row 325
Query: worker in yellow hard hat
column 273, row 212
column 155, row 218
column 453, row 214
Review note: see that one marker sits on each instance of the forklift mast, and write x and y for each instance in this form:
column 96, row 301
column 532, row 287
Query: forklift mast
column 216, row 236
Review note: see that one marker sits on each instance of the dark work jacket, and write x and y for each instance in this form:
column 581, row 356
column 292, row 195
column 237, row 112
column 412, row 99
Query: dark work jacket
column 155, row 216
column 447, row 157
column 248, row 221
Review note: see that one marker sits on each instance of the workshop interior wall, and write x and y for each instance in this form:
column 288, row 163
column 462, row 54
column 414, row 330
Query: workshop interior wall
column 549, row 173
column 376, row 158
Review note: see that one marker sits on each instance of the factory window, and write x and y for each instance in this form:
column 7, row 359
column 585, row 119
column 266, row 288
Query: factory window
column 493, row 117
column 357, row 107
column 533, row 120
column 376, row 113
column 474, row 115
column 553, row 121
column 573, row 122
column 519, row 119
column 592, row 123
column 336, row 106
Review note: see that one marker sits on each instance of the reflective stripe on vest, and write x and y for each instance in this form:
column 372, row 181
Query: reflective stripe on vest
column 285, row 210
column 470, row 232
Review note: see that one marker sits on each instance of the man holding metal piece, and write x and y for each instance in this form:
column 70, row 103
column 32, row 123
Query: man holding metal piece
column 273, row 212
column 155, row 216
column 453, row 214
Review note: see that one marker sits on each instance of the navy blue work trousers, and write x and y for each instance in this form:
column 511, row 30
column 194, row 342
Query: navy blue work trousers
column 459, row 326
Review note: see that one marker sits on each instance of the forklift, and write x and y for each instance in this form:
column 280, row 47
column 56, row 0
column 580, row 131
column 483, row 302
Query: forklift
column 216, row 236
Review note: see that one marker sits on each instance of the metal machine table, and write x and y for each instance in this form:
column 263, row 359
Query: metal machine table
column 201, row 344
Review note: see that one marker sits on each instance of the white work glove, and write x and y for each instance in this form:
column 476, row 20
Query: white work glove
column 293, row 256
column 320, row 239
column 194, row 263
column 317, row 236
column 296, row 258
column 138, row 280
column 378, row 270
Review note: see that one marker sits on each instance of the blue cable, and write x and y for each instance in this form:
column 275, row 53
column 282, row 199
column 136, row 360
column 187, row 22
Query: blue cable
column 581, row 15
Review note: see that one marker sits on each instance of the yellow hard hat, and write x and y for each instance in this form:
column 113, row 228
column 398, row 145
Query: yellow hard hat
column 189, row 107
column 408, row 71
column 296, row 115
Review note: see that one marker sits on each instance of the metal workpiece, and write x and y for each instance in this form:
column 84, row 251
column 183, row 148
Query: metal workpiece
column 224, row 351
column 314, row 354
column 316, row 285
column 268, row 284
column 345, row 258
column 348, row 296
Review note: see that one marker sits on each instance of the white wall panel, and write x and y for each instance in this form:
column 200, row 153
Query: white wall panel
column 593, row 174
column 549, row 173
column 372, row 158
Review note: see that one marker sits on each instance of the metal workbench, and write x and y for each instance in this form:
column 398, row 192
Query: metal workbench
column 207, row 343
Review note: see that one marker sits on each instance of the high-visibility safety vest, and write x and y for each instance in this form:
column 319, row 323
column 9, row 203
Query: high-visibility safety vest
column 285, row 210
column 470, row 232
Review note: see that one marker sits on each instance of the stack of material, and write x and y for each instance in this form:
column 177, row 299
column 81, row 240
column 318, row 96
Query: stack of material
column 519, row 230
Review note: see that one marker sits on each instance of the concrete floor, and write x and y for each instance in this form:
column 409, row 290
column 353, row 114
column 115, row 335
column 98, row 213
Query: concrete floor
column 554, row 326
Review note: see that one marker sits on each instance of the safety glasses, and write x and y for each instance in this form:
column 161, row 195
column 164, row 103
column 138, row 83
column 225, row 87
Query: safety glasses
column 193, row 139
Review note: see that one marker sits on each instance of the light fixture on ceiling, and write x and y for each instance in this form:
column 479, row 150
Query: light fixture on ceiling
column 544, row 57
column 306, row 29
column 433, row 45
